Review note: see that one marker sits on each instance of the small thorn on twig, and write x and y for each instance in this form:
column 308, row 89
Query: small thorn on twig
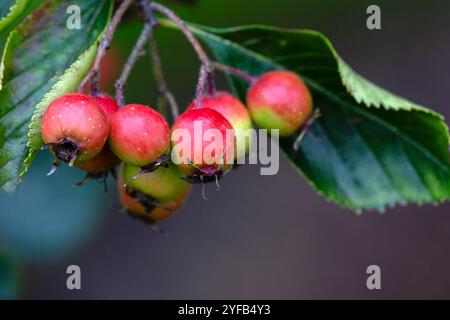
column 316, row 115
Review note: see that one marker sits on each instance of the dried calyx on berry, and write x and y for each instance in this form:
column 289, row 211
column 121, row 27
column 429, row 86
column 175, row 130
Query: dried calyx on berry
column 203, row 144
column 75, row 128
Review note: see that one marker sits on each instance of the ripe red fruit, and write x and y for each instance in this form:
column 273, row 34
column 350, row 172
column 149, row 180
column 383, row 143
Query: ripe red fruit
column 105, row 160
column 139, row 135
column 279, row 100
column 233, row 110
column 107, row 103
column 197, row 154
column 74, row 126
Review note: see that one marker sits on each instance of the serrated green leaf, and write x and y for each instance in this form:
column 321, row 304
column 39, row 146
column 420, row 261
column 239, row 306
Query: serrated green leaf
column 371, row 148
column 43, row 60
column 12, row 12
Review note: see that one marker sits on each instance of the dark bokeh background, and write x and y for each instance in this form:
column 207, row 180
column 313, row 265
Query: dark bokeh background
column 262, row 236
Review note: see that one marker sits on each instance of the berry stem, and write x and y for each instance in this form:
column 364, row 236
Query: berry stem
column 93, row 74
column 202, row 78
column 163, row 90
column 137, row 52
column 235, row 72
column 165, row 95
column 203, row 57
column 211, row 84
column 316, row 115
column 184, row 29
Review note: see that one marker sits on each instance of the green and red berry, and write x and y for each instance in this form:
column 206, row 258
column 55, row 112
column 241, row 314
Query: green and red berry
column 153, row 196
column 193, row 152
column 280, row 100
column 234, row 111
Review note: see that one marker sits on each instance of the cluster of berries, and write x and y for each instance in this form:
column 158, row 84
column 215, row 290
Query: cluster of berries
column 95, row 135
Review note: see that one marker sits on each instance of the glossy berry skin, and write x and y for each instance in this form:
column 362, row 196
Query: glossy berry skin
column 157, row 214
column 233, row 110
column 105, row 160
column 75, row 124
column 163, row 184
column 148, row 184
column 139, row 135
column 108, row 104
column 279, row 100
column 191, row 155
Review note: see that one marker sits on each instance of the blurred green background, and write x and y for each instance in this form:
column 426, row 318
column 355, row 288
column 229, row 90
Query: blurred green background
column 261, row 237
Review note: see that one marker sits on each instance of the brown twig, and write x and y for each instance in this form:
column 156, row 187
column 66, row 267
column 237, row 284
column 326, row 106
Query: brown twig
column 165, row 95
column 316, row 115
column 93, row 74
column 184, row 29
column 211, row 83
column 203, row 57
column 235, row 72
column 137, row 52
column 202, row 78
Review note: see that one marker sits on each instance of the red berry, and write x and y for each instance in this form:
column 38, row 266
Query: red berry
column 107, row 103
column 74, row 126
column 139, row 135
column 233, row 110
column 196, row 154
column 279, row 100
column 105, row 160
